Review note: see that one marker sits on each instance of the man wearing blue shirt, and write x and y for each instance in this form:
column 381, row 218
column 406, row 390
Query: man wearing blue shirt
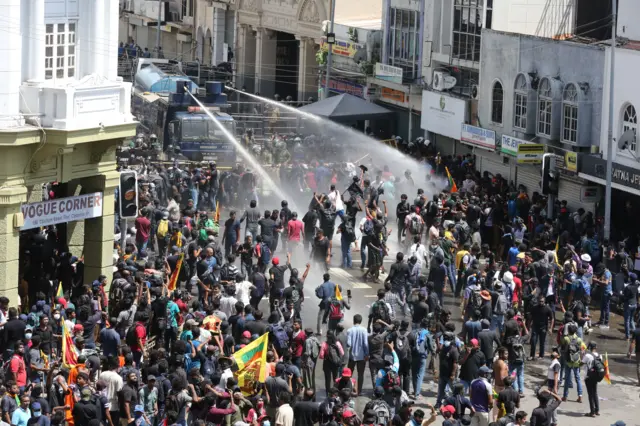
column 325, row 292
column 358, row 344
column 22, row 414
column 602, row 277
column 110, row 339
column 481, row 395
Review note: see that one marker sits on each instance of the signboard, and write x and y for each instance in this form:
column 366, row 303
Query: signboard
column 388, row 73
column 70, row 209
column 571, row 161
column 530, row 153
column 510, row 145
column 477, row 136
column 442, row 114
column 343, row 86
column 393, row 95
column 622, row 175
column 589, row 194
column 348, row 49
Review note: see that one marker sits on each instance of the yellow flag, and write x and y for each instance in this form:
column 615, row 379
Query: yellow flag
column 338, row 292
column 252, row 364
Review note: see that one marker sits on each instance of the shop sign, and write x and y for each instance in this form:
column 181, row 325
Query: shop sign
column 589, row 194
column 348, row 49
column 620, row 174
column 530, row 153
column 510, row 145
column 63, row 210
column 388, row 73
column 571, row 161
column 343, row 86
column 442, row 114
column 392, row 95
column 477, row 136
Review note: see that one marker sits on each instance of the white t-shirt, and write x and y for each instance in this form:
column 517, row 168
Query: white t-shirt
column 284, row 416
column 336, row 200
column 419, row 251
column 434, row 233
column 114, row 385
column 588, row 359
column 553, row 368
column 243, row 290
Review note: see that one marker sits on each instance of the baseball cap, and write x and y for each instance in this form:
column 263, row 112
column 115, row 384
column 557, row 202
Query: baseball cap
column 447, row 409
column 139, row 408
column 474, row 342
column 485, row 370
column 36, row 406
column 246, row 334
column 276, row 260
column 348, row 414
column 346, row 372
column 151, row 378
column 78, row 327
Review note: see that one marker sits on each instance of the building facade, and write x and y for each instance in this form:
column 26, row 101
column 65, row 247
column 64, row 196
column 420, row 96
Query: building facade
column 542, row 93
column 63, row 112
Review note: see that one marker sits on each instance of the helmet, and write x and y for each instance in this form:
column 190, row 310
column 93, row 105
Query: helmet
column 284, row 203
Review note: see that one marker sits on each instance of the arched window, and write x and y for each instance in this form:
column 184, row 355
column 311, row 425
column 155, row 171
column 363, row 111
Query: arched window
column 520, row 103
column 497, row 101
column 630, row 121
column 570, row 114
column 545, row 102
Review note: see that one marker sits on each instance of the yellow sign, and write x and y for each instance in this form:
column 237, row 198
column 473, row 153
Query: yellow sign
column 571, row 161
column 530, row 153
column 347, row 49
column 391, row 94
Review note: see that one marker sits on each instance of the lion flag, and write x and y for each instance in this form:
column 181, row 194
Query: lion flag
column 252, row 364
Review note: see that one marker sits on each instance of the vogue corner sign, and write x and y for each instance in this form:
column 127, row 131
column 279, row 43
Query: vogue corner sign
column 63, row 210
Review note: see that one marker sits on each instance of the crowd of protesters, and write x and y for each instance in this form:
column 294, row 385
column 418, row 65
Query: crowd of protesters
column 148, row 355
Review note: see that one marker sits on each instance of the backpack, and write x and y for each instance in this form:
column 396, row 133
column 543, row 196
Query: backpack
column 517, row 350
column 265, row 253
column 390, row 380
column 131, row 338
column 368, row 227
column 116, row 294
column 171, row 403
column 463, row 232
column 333, row 354
column 202, row 235
column 281, row 339
column 380, row 311
column 381, row 409
column 432, row 209
column 349, row 232
column 415, row 226
column 33, row 319
column 573, row 350
column 476, row 299
column 315, row 348
column 163, row 228
column 501, row 305
column 424, row 343
column 335, row 309
column 597, row 370
column 401, row 346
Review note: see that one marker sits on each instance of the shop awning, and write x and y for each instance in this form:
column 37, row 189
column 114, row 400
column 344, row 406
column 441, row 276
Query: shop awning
column 346, row 107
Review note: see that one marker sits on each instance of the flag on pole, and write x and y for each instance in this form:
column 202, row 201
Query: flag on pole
column 217, row 216
column 252, row 364
column 338, row 292
column 173, row 280
column 555, row 253
column 607, row 375
column 69, row 351
column 452, row 183
column 59, row 294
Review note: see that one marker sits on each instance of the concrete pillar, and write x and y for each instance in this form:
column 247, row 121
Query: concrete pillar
column 265, row 62
column 11, row 54
column 10, row 200
column 98, row 29
column 98, row 232
column 34, row 46
column 307, row 70
column 110, row 45
column 217, row 44
column 245, row 55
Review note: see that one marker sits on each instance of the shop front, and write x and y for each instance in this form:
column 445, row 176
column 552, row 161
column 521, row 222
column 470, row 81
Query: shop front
column 483, row 143
column 525, row 174
column 443, row 117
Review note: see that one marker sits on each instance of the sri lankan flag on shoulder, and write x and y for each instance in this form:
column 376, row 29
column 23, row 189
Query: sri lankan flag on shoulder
column 252, row 364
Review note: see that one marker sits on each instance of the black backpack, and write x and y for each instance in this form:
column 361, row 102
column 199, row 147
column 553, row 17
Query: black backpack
column 131, row 338
column 380, row 311
column 401, row 346
column 597, row 370
column 390, row 380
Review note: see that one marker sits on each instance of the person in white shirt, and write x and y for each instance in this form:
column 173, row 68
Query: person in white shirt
column 284, row 415
column 243, row 289
column 413, row 225
column 419, row 251
column 591, row 378
column 468, row 184
column 336, row 200
column 228, row 301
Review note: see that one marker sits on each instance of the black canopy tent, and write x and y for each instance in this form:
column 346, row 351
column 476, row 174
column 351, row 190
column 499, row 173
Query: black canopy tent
column 346, row 107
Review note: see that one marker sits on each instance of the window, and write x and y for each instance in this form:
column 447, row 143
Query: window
column 497, row 99
column 60, row 51
column 630, row 121
column 544, row 108
column 467, row 26
column 570, row 114
column 404, row 41
column 520, row 103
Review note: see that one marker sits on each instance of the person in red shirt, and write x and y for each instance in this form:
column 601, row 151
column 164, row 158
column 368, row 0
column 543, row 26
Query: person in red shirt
column 298, row 338
column 517, row 286
column 18, row 367
column 295, row 230
column 140, row 332
column 143, row 230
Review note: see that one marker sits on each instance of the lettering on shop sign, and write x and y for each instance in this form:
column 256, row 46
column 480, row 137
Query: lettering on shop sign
column 62, row 210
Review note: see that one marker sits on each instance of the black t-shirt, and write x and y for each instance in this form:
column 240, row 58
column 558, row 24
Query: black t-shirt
column 398, row 274
column 448, row 358
column 507, row 395
column 267, row 226
column 630, row 294
column 420, row 311
column 127, row 394
column 277, row 272
column 256, row 327
column 320, row 248
column 376, row 349
column 511, row 328
column 541, row 316
column 305, row 413
column 327, row 218
column 486, row 338
column 275, row 386
column 542, row 416
column 469, row 370
column 159, row 307
column 309, row 221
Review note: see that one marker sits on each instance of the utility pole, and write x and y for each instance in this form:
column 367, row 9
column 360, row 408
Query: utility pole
column 331, row 39
column 607, row 195
column 158, row 28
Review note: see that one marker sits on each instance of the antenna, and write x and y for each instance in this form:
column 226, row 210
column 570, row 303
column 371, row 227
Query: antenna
column 627, row 138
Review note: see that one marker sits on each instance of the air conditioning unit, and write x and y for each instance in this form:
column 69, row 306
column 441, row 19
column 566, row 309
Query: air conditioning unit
column 443, row 81
column 475, row 92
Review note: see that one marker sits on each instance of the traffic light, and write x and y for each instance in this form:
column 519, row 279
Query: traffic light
column 128, row 194
column 549, row 175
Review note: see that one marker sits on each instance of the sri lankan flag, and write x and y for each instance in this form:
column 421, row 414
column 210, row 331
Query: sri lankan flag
column 252, row 364
column 452, row 184
column 338, row 293
column 217, row 215
column 173, row 280
column 59, row 294
column 607, row 375
column 69, row 351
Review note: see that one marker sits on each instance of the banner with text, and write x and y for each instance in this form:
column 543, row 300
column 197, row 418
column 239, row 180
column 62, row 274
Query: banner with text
column 477, row 136
column 63, row 210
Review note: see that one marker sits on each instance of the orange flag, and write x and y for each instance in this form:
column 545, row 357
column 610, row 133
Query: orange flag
column 607, row 375
column 338, row 292
column 173, row 280
column 452, row 183
column 217, row 216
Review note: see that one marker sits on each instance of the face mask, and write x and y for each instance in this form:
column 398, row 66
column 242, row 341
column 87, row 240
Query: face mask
column 447, row 344
column 28, row 336
column 37, row 413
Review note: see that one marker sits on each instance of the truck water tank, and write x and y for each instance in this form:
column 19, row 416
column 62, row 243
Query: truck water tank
column 213, row 87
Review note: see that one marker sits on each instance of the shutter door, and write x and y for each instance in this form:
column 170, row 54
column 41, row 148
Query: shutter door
column 570, row 191
column 494, row 167
column 463, row 149
column 445, row 145
column 528, row 177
